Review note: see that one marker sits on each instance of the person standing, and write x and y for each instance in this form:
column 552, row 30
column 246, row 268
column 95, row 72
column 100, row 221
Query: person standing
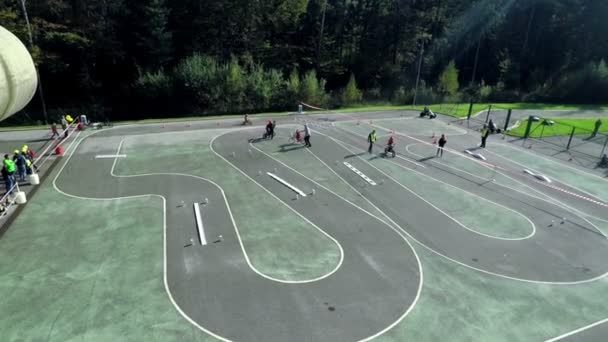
column 64, row 126
column 268, row 129
column 441, row 143
column 485, row 132
column 19, row 160
column 596, row 129
column 8, row 181
column 9, row 168
column 371, row 138
column 54, row 130
column 274, row 125
column 307, row 135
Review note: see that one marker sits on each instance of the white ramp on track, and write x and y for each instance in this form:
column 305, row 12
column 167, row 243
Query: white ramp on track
column 199, row 224
column 284, row 182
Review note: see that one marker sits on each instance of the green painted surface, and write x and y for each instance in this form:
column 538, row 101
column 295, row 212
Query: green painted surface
column 592, row 184
column 279, row 243
column 83, row 270
column 459, row 304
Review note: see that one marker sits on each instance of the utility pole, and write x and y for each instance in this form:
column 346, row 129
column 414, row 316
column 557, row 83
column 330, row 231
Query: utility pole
column 476, row 61
column 31, row 39
column 418, row 74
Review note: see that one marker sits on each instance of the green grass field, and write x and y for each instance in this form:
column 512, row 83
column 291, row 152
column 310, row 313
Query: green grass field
column 584, row 126
column 461, row 110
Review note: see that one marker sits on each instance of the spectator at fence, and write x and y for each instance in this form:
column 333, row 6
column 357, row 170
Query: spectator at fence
column 54, row 130
column 28, row 167
column 8, row 169
column 8, row 182
column 64, row 126
column 19, row 160
column 596, row 129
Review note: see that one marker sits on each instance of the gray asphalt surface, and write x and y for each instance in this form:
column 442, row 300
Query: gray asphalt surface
column 597, row 333
column 572, row 252
column 374, row 287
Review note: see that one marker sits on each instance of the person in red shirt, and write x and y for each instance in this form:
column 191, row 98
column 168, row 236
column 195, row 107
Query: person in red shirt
column 390, row 146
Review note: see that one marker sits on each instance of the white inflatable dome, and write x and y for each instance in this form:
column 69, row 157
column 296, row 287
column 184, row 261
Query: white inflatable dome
column 18, row 79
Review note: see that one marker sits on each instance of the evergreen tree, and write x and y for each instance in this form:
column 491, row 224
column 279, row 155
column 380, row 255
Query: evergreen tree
column 448, row 80
column 351, row 93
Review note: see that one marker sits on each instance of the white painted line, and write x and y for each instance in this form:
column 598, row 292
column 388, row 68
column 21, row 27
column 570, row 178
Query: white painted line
column 282, row 181
column 367, row 179
column 578, row 330
column 110, row 156
column 199, row 224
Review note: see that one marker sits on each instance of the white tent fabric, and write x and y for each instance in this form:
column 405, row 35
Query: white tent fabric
column 18, row 78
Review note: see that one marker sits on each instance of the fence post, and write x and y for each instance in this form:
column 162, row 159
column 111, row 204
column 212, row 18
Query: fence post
column 570, row 140
column 528, row 127
column 508, row 119
column 470, row 110
column 488, row 115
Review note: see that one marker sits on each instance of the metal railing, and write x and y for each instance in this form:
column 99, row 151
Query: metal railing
column 6, row 201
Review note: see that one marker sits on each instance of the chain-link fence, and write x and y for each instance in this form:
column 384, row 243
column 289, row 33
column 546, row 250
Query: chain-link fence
column 585, row 146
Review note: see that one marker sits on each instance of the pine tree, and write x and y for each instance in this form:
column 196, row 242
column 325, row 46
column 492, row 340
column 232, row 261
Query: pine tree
column 152, row 38
column 351, row 94
column 448, row 80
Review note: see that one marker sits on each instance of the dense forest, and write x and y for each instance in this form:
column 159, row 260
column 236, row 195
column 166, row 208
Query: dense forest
column 159, row 58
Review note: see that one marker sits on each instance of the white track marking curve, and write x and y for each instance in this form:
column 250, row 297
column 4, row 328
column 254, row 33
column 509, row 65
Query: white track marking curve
column 472, row 267
column 398, row 230
column 573, row 332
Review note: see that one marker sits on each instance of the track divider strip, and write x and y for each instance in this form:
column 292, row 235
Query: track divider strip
column 284, row 182
column 110, row 156
column 355, row 170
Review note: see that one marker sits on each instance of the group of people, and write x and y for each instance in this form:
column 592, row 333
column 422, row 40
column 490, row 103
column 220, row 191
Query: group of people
column 21, row 164
column 65, row 121
column 390, row 145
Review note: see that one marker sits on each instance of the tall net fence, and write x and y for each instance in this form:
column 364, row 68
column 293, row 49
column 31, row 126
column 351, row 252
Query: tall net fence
column 491, row 116
column 583, row 145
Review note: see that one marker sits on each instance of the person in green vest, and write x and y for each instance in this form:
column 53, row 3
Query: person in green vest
column 8, row 172
column 596, row 129
column 485, row 132
column 371, row 138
